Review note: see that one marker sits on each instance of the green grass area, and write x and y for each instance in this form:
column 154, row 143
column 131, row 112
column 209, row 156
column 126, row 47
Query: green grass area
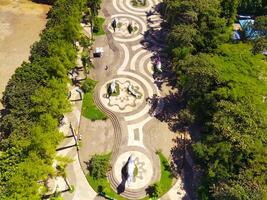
column 99, row 26
column 166, row 177
column 89, row 109
column 96, row 184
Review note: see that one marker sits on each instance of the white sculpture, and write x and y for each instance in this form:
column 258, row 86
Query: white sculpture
column 132, row 91
column 159, row 108
column 158, row 66
column 113, row 87
column 130, row 170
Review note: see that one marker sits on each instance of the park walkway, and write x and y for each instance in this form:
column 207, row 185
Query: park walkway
column 133, row 56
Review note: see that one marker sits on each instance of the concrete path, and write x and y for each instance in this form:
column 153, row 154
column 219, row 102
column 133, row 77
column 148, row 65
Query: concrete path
column 68, row 147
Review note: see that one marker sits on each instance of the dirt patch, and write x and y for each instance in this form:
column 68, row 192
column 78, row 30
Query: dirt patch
column 21, row 22
column 97, row 138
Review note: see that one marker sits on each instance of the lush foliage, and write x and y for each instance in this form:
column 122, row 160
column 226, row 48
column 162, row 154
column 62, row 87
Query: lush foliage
column 252, row 7
column 99, row 166
column 98, row 28
column 89, row 109
column 202, row 22
column 35, row 98
column 224, row 86
column 154, row 191
column 165, row 182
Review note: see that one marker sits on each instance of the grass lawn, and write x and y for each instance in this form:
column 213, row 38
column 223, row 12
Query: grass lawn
column 100, row 22
column 105, row 185
column 166, row 177
column 89, row 109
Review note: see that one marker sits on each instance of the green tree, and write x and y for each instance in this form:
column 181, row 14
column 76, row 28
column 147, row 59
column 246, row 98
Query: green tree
column 229, row 10
column 99, row 166
column 57, row 95
column 261, row 25
column 153, row 191
column 181, row 39
column 259, row 45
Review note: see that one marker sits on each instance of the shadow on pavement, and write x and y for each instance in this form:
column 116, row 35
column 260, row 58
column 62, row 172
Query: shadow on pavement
column 121, row 186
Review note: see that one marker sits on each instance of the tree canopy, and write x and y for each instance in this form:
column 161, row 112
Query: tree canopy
column 224, row 85
column 35, row 99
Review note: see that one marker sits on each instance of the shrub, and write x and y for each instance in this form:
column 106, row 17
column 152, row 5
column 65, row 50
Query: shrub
column 85, row 42
column 99, row 166
column 88, row 85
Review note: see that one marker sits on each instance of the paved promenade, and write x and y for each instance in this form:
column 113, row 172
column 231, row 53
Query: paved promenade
column 133, row 63
column 131, row 59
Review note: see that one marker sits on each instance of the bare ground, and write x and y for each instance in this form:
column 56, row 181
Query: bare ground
column 97, row 138
column 21, row 22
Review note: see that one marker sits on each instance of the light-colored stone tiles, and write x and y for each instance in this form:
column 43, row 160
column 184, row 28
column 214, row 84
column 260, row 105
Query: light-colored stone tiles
column 135, row 57
column 129, row 11
column 115, row 5
column 142, row 67
column 138, row 46
column 132, row 141
column 141, row 113
column 138, row 77
column 139, row 126
column 176, row 192
column 126, row 57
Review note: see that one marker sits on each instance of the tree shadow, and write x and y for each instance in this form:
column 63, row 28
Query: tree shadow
column 172, row 105
column 46, row 2
column 155, row 41
column 121, row 186
column 183, row 165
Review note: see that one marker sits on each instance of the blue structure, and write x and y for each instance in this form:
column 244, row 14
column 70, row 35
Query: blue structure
column 236, row 35
column 247, row 27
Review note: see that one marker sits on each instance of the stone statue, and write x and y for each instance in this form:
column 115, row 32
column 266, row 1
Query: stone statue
column 158, row 66
column 130, row 170
column 113, row 87
column 132, row 91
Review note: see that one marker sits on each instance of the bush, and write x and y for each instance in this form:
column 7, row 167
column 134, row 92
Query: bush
column 85, row 42
column 98, row 26
column 88, row 85
column 99, row 166
column 154, row 190
column 35, row 98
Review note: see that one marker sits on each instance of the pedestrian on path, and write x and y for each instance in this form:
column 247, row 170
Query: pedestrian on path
column 106, row 67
